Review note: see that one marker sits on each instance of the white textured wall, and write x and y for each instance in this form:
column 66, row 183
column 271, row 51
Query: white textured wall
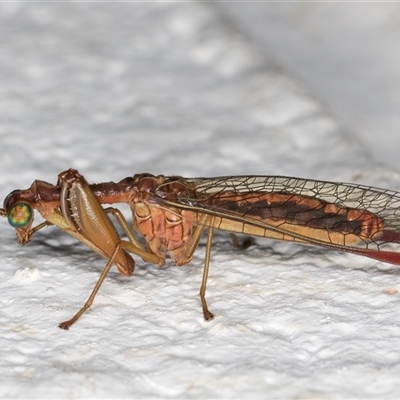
column 347, row 54
column 117, row 89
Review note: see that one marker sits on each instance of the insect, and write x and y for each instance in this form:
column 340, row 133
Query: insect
column 171, row 213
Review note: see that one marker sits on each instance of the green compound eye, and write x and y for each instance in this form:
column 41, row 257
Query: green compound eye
column 20, row 215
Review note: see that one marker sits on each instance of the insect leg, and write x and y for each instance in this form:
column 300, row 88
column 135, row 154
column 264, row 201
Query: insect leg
column 24, row 236
column 208, row 316
column 67, row 324
column 242, row 246
column 39, row 227
column 134, row 246
column 122, row 245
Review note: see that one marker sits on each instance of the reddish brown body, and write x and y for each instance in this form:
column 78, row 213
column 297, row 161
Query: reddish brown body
column 165, row 230
column 171, row 213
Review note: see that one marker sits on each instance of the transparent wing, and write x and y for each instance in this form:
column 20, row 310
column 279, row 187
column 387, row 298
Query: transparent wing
column 355, row 218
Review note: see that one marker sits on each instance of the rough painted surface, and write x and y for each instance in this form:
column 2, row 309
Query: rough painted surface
column 347, row 57
column 117, row 89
